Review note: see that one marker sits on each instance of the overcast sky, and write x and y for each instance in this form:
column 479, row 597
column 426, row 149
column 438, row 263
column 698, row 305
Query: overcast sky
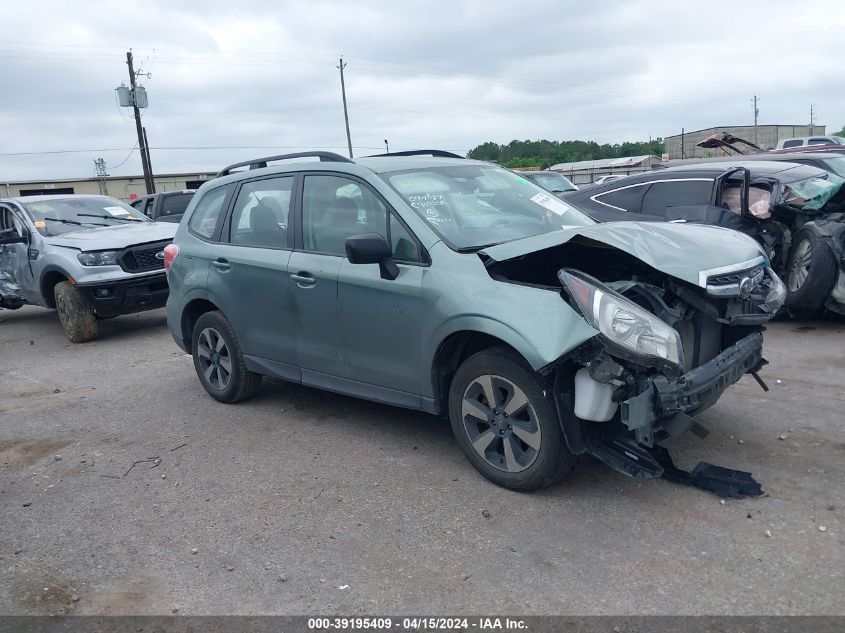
column 234, row 80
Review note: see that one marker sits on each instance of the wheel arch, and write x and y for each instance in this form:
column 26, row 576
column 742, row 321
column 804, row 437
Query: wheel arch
column 50, row 278
column 453, row 350
column 193, row 310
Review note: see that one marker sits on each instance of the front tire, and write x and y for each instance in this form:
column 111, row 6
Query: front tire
column 811, row 274
column 219, row 361
column 505, row 425
column 75, row 313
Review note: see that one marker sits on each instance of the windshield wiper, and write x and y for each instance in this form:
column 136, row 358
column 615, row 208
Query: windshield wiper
column 473, row 249
column 130, row 218
column 74, row 222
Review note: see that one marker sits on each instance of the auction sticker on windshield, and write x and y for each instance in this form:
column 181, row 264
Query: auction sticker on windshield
column 117, row 211
column 551, row 203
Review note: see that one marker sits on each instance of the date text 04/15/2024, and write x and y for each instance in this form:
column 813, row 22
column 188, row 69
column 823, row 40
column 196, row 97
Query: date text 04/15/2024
column 412, row 623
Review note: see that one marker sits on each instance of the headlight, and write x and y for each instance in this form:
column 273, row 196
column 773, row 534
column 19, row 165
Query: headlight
column 623, row 322
column 777, row 291
column 99, row 258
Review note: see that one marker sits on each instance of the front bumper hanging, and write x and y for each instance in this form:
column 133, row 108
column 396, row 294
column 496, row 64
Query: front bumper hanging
column 665, row 404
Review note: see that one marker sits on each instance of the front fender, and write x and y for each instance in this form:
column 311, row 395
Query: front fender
column 537, row 323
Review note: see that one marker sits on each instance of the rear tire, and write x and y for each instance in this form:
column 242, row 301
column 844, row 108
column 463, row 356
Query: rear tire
column 515, row 442
column 219, row 361
column 75, row 313
column 811, row 274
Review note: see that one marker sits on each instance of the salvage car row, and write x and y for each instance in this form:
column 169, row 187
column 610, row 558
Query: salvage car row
column 446, row 285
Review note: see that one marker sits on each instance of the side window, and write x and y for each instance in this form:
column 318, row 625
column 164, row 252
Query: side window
column 333, row 208
column 260, row 215
column 795, row 143
column 9, row 221
column 681, row 193
column 208, row 214
column 820, row 141
column 404, row 246
column 149, row 206
column 627, row 199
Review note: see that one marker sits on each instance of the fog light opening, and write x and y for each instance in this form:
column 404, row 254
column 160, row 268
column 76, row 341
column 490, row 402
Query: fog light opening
column 102, row 293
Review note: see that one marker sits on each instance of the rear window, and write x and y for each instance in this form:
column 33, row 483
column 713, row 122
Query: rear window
column 175, row 204
column 627, row 198
column 795, row 143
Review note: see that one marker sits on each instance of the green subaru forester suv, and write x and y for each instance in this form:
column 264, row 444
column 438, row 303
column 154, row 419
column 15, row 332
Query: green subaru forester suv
column 452, row 286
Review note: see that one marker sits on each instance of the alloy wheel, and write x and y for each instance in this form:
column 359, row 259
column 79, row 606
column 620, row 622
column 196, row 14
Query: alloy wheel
column 214, row 359
column 800, row 268
column 501, row 423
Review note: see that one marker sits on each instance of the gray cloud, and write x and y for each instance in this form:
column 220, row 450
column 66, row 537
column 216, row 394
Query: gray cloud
column 421, row 74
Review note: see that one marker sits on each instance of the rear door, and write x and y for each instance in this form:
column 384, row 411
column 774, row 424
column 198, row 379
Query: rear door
column 249, row 271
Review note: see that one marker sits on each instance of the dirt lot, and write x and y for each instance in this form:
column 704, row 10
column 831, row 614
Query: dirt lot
column 300, row 501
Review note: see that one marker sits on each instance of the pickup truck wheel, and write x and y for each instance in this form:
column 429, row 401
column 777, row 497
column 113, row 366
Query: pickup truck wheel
column 811, row 274
column 219, row 361
column 505, row 425
column 75, row 314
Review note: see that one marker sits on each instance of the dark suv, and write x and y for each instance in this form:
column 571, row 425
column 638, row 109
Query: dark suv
column 797, row 212
column 165, row 207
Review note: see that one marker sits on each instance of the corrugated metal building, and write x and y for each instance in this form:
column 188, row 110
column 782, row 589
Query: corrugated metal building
column 767, row 138
column 586, row 171
column 122, row 187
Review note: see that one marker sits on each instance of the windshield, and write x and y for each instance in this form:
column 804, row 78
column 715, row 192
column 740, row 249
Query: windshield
column 811, row 194
column 553, row 182
column 472, row 206
column 55, row 216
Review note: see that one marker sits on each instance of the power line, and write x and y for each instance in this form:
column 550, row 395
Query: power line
column 180, row 148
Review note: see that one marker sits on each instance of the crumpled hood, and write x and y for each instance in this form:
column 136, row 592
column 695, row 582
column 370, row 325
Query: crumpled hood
column 117, row 236
column 677, row 249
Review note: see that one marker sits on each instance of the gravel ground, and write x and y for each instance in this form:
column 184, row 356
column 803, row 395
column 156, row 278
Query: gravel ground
column 300, row 501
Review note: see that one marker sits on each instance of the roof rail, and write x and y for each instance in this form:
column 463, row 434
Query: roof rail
column 420, row 152
column 258, row 163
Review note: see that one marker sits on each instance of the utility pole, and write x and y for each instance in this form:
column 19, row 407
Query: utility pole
column 149, row 163
column 756, row 112
column 386, row 147
column 683, row 151
column 341, row 66
column 148, row 177
column 812, row 118
column 100, row 165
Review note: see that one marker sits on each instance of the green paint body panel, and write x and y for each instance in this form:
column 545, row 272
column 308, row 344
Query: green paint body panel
column 360, row 333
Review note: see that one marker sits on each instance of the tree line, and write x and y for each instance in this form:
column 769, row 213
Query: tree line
column 543, row 154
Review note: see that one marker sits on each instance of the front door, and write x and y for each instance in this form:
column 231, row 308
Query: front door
column 17, row 282
column 330, row 213
column 381, row 318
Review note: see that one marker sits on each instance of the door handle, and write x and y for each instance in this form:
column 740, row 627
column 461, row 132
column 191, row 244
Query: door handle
column 303, row 279
column 221, row 264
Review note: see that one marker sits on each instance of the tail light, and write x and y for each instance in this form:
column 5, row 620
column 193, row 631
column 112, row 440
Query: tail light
column 170, row 253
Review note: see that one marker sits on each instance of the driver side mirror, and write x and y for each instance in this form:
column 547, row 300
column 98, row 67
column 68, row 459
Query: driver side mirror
column 10, row 236
column 372, row 248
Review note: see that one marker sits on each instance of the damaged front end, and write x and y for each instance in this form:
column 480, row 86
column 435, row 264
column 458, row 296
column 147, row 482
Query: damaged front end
column 666, row 349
